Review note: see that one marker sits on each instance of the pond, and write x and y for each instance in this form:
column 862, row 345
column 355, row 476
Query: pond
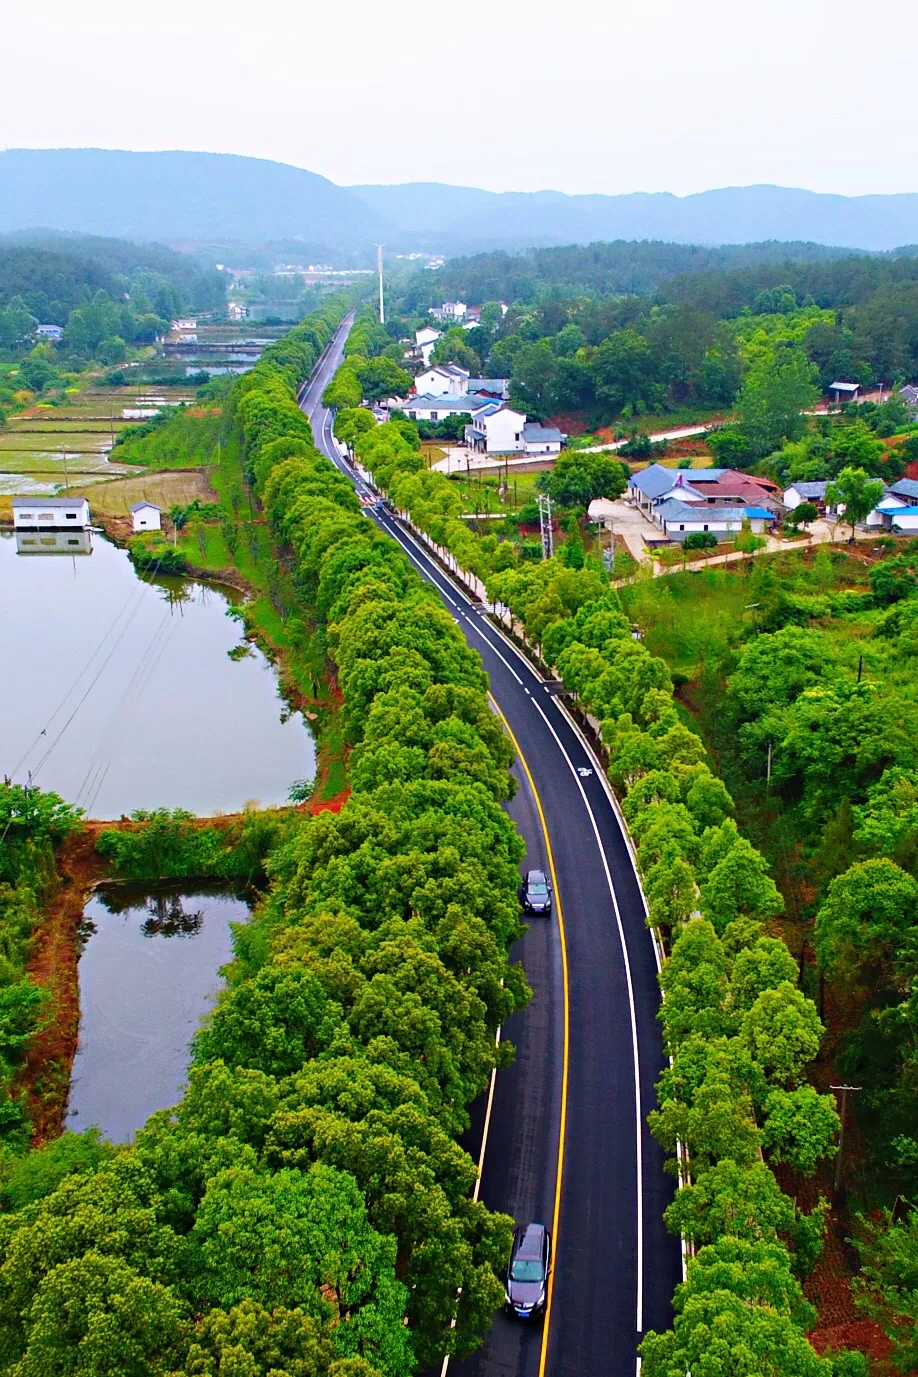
column 118, row 692
column 149, row 971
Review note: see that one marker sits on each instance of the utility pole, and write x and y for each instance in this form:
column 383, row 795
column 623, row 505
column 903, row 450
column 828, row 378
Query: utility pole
column 841, row 1133
column 548, row 548
column 382, row 304
column 768, row 770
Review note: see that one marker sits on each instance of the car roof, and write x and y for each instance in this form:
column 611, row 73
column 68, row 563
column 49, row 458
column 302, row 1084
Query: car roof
column 529, row 1241
column 536, row 877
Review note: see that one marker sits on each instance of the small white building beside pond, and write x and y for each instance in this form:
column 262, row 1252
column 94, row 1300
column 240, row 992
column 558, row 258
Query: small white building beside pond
column 145, row 517
column 64, row 513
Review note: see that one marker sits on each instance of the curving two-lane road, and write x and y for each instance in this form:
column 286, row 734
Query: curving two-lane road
column 588, row 1046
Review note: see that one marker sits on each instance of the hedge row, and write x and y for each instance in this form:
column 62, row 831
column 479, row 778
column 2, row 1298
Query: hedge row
column 307, row 1195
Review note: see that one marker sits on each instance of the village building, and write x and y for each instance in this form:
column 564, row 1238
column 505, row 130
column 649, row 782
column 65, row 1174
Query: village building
column 442, row 380
column 498, row 388
column 496, row 429
column 145, row 517
column 649, row 488
column 428, row 408
column 680, row 519
column 451, row 311
column 425, row 341
column 54, row 333
column 845, row 392
column 63, row 513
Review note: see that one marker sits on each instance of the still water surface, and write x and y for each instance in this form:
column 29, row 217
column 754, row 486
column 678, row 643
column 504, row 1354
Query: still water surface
column 148, row 972
column 118, row 693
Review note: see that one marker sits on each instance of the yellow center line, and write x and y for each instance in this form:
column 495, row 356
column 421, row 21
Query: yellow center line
column 543, row 1356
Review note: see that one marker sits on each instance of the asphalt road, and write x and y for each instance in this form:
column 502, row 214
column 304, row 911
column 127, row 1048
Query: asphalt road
column 615, row 1264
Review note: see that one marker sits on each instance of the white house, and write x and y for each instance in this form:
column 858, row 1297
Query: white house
column 235, row 311
column 901, row 519
column 497, row 429
column 62, row 513
column 425, row 341
column 51, row 332
column 185, row 323
column 428, row 408
column 145, row 517
column 814, row 492
column 539, row 439
column 443, row 380
column 681, row 519
column 450, row 310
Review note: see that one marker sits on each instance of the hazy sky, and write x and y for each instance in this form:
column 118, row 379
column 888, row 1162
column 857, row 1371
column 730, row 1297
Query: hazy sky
column 578, row 95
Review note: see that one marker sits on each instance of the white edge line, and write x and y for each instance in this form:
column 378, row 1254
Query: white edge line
column 481, row 1160
column 639, row 1118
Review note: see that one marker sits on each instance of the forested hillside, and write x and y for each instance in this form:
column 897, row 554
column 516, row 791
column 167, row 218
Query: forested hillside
column 605, row 269
column 701, row 340
column 54, row 274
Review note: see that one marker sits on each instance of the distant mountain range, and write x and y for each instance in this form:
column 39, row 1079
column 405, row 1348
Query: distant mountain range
column 177, row 197
column 731, row 215
column 192, row 198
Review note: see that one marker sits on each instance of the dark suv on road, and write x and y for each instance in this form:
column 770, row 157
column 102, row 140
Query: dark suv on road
column 526, row 1284
column 535, row 892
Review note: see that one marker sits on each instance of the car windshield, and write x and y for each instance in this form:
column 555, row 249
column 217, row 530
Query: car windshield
column 538, row 891
column 526, row 1269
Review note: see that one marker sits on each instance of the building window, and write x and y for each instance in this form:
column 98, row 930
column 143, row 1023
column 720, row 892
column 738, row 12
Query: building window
column 681, row 528
column 433, row 416
column 73, row 541
column 705, row 528
column 71, row 516
column 26, row 516
column 46, row 516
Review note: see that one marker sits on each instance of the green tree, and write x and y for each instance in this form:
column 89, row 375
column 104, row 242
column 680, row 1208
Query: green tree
column 804, row 513
column 256, row 1342
column 772, row 400
column 718, row 1334
column 868, row 924
column 887, row 1289
column 800, row 1127
column 302, row 1239
column 623, row 371
column 782, row 1032
column 96, row 1317
column 857, row 493
column 700, row 540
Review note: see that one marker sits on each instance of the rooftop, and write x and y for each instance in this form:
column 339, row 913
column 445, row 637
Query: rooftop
column 532, row 430
column 816, row 488
column 674, row 510
column 904, row 487
column 139, row 506
column 653, row 481
column 39, row 501
column 446, row 401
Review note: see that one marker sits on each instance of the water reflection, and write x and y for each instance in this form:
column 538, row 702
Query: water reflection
column 119, row 692
column 54, row 542
column 149, row 970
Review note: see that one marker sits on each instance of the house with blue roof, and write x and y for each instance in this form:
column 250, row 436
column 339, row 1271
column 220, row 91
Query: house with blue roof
column 680, row 519
column 652, row 488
